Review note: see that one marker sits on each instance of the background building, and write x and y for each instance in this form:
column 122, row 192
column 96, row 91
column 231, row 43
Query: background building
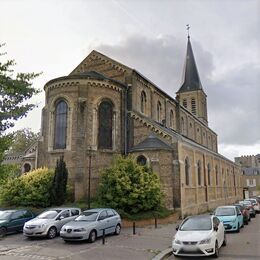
column 251, row 174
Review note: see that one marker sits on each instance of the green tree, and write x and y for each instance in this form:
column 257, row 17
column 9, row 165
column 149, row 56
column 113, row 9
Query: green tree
column 15, row 93
column 59, row 187
column 129, row 187
column 22, row 139
column 31, row 189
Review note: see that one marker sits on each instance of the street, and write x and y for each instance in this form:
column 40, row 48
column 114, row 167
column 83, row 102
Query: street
column 145, row 244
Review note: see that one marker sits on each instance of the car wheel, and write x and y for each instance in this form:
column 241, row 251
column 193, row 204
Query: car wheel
column 242, row 225
column 52, row 232
column 118, row 229
column 225, row 240
column 92, row 236
column 216, row 254
column 246, row 222
column 249, row 218
column 3, row 232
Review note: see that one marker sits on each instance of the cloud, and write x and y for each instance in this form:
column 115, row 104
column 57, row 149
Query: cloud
column 232, row 95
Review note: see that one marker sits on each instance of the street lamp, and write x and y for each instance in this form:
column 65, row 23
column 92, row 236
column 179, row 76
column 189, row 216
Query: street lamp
column 90, row 150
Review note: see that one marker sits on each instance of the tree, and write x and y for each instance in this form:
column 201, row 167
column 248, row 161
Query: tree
column 15, row 93
column 59, row 187
column 22, row 139
column 129, row 187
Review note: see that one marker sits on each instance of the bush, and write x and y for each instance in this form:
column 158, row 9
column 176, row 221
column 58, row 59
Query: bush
column 129, row 187
column 8, row 171
column 32, row 189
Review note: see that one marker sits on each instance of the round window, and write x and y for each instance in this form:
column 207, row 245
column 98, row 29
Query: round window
column 141, row 160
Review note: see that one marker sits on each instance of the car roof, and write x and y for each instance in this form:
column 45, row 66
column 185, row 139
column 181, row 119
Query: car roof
column 98, row 209
column 62, row 208
column 229, row 206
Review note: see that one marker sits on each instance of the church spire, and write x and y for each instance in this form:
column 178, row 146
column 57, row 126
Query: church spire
column 191, row 79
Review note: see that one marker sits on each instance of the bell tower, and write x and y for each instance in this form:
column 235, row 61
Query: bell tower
column 191, row 94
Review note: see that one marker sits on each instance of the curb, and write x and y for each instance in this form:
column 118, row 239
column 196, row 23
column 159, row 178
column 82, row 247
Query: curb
column 163, row 254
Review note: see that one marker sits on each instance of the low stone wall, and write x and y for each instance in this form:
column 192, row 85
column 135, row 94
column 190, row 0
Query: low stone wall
column 148, row 222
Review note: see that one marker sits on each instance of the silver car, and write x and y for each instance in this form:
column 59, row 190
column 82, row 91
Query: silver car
column 50, row 222
column 90, row 225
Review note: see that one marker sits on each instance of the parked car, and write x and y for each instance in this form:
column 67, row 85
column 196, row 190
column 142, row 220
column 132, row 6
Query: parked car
column 50, row 222
column 13, row 220
column 231, row 217
column 245, row 213
column 255, row 203
column 250, row 207
column 201, row 235
column 90, row 225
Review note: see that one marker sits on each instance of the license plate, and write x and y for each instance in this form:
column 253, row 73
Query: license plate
column 225, row 226
column 28, row 233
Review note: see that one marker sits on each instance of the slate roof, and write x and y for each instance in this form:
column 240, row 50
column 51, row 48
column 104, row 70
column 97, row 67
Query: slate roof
column 151, row 143
column 191, row 79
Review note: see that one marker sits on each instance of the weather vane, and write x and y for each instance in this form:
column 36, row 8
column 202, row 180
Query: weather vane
column 188, row 29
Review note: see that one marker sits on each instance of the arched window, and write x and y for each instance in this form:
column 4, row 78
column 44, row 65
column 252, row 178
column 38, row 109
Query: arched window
column 105, row 122
column 199, row 173
column 159, row 110
column 209, row 182
column 143, row 102
column 171, row 119
column 61, row 116
column 216, row 171
column 141, row 160
column 187, row 171
column 184, row 103
column 26, row 167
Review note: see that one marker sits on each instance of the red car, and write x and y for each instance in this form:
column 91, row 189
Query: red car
column 249, row 206
column 245, row 213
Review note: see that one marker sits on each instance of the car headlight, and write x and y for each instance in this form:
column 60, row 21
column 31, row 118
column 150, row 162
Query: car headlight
column 41, row 226
column 177, row 241
column 79, row 230
column 205, row 241
column 233, row 220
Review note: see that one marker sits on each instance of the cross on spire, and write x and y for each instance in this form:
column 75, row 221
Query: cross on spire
column 188, row 29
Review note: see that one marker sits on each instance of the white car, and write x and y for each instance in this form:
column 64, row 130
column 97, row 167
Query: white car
column 201, row 235
column 50, row 222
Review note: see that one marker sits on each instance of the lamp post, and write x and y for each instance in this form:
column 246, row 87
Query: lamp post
column 89, row 172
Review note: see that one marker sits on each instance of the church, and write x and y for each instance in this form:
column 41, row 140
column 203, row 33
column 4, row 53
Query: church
column 104, row 108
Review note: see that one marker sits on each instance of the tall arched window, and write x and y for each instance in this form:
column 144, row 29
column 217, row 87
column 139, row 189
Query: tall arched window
column 209, row 181
column 199, row 173
column 171, row 119
column 105, row 123
column 216, row 171
column 143, row 102
column 61, row 116
column 159, row 110
column 187, row 171
column 184, row 103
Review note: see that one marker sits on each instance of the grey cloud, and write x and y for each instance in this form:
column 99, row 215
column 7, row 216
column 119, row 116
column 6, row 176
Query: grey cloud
column 232, row 98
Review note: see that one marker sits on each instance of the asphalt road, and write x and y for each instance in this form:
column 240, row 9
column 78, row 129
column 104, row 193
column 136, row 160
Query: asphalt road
column 144, row 245
column 244, row 245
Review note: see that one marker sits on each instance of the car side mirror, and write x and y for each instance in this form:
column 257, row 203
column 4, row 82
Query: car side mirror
column 215, row 228
column 177, row 227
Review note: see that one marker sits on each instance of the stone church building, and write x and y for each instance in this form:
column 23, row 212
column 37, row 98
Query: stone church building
column 104, row 108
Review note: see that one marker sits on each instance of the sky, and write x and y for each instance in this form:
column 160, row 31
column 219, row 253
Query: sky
column 54, row 36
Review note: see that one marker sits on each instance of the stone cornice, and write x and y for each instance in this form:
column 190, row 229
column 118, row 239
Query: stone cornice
column 88, row 82
column 150, row 125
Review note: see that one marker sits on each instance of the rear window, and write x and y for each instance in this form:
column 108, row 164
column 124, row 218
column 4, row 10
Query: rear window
column 225, row 212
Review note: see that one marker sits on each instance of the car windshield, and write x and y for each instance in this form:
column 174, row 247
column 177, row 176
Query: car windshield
column 87, row 216
column 5, row 215
column 192, row 224
column 50, row 214
column 225, row 212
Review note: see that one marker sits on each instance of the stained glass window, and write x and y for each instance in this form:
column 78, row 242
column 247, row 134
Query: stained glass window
column 61, row 114
column 105, row 115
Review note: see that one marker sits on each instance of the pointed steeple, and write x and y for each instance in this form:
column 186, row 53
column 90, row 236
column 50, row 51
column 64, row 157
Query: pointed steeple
column 191, row 79
column 191, row 94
